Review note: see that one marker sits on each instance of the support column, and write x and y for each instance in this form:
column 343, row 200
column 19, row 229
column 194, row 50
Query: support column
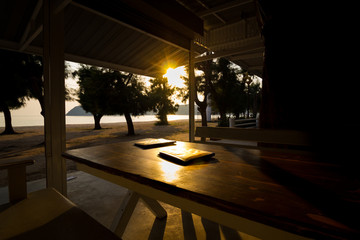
column 54, row 85
column 192, row 93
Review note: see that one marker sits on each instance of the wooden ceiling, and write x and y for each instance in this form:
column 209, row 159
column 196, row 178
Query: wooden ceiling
column 139, row 37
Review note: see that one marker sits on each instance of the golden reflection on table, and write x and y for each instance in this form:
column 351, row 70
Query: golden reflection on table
column 169, row 171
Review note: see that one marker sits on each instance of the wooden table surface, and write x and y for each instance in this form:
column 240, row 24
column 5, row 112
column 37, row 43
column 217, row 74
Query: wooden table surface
column 283, row 190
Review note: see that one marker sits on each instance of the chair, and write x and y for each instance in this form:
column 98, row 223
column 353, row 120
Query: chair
column 44, row 214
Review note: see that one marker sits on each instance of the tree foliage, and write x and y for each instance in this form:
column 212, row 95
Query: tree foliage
column 22, row 79
column 127, row 97
column 227, row 89
column 108, row 92
column 93, row 92
column 12, row 91
column 161, row 102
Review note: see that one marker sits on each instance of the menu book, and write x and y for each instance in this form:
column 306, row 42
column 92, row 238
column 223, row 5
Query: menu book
column 154, row 142
column 184, row 155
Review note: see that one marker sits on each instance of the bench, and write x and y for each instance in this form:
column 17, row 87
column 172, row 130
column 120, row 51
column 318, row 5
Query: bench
column 245, row 123
column 255, row 138
column 44, row 214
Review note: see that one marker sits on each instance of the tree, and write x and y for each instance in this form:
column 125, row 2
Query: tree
column 202, row 87
column 12, row 92
column 224, row 89
column 249, row 95
column 108, row 92
column 127, row 97
column 160, row 96
column 255, row 97
column 33, row 72
column 93, row 93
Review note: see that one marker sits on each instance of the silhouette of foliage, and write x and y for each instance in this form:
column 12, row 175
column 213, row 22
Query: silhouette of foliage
column 161, row 102
column 12, row 91
column 108, row 92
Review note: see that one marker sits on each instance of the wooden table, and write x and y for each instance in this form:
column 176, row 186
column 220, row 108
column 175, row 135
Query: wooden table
column 270, row 195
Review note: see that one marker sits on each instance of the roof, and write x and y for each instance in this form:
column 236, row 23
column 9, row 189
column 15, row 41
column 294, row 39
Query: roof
column 139, row 37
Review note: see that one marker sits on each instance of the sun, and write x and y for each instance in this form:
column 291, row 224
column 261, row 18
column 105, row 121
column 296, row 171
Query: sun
column 174, row 76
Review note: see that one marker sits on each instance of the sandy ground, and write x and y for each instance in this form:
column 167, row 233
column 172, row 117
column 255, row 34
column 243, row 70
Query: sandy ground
column 29, row 142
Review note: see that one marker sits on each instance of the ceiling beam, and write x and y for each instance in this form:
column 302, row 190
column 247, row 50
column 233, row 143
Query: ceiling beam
column 130, row 15
column 62, row 6
column 105, row 64
column 207, row 8
column 247, row 56
column 30, row 38
column 26, row 39
column 14, row 46
column 30, row 23
column 244, row 49
column 223, row 7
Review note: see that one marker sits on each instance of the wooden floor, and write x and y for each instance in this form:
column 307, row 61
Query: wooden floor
column 101, row 200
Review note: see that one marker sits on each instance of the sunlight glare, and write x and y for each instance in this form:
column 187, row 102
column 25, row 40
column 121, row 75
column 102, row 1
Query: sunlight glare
column 174, row 76
column 169, row 170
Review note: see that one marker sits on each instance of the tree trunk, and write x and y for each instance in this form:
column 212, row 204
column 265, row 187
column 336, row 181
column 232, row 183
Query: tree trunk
column 223, row 120
column 8, row 126
column 97, row 118
column 130, row 124
column 162, row 119
column 42, row 105
column 203, row 116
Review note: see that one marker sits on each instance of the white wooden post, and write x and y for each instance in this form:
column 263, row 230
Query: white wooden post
column 192, row 93
column 54, row 96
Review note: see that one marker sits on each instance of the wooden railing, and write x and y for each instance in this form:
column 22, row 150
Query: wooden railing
column 289, row 139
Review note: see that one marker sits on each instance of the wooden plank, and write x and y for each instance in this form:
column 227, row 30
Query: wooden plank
column 289, row 137
column 124, row 15
column 124, row 213
column 54, row 85
column 192, row 93
column 16, row 177
column 17, row 183
column 127, row 208
column 155, row 207
column 8, row 162
column 253, row 228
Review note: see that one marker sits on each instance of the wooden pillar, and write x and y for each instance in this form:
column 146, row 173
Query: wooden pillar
column 54, row 96
column 192, row 93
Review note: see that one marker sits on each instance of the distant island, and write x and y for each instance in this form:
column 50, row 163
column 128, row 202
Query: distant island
column 79, row 111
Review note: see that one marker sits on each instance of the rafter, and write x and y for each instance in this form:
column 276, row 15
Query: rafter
column 223, row 7
column 206, row 7
column 244, row 49
column 24, row 38
column 99, row 63
column 246, row 56
column 27, row 38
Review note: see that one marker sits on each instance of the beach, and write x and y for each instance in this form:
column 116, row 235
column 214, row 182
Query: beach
column 29, row 142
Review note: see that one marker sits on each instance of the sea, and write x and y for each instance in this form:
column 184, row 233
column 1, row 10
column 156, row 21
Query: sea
column 38, row 120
